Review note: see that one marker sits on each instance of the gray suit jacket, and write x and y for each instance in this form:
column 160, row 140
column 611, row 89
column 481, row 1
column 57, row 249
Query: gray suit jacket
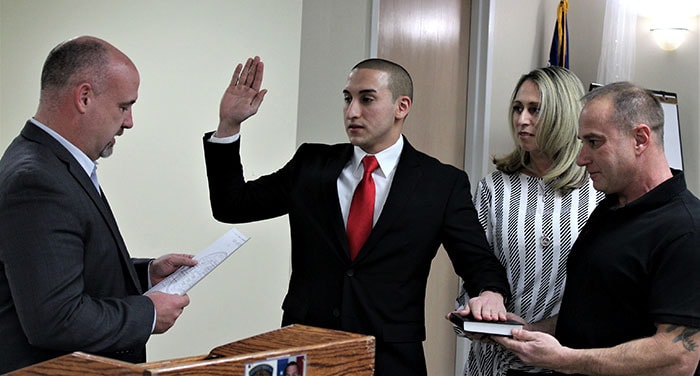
column 67, row 282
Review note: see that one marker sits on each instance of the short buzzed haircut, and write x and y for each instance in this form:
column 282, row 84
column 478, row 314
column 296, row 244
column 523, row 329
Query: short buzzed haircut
column 632, row 105
column 400, row 82
column 75, row 60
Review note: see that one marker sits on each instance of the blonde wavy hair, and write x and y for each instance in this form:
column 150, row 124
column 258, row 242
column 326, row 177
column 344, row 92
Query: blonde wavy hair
column 557, row 128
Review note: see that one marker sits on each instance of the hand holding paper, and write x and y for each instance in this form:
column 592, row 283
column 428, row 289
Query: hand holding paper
column 185, row 278
column 166, row 265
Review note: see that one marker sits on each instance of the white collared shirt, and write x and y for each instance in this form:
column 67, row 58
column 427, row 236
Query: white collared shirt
column 83, row 160
column 383, row 176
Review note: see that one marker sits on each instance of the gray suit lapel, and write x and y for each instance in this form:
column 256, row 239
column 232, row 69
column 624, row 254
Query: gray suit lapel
column 32, row 132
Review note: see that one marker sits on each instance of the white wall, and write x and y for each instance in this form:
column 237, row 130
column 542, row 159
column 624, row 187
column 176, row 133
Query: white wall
column 186, row 52
column 325, row 37
column 679, row 72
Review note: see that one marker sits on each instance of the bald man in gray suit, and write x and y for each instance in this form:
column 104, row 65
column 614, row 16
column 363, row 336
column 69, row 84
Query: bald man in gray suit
column 67, row 281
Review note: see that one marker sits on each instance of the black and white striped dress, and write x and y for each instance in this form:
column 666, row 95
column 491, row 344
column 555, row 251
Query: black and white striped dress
column 531, row 228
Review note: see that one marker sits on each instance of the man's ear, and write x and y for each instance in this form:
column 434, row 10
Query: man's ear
column 83, row 96
column 642, row 138
column 403, row 107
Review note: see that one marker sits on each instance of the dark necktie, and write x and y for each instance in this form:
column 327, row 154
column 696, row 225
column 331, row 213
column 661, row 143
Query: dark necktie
column 362, row 208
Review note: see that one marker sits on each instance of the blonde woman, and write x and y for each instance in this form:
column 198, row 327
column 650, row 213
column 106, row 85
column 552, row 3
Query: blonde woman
column 533, row 206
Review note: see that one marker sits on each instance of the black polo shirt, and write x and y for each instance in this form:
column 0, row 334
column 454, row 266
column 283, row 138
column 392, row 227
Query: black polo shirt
column 632, row 267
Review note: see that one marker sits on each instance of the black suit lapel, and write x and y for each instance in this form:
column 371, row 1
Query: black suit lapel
column 330, row 196
column 406, row 178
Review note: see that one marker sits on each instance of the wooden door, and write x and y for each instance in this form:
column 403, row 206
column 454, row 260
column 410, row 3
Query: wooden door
column 430, row 38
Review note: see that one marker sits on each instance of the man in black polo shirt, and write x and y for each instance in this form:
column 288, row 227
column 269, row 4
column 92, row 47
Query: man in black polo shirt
column 631, row 304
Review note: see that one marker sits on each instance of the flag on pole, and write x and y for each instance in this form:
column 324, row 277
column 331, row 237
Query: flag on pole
column 559, row 53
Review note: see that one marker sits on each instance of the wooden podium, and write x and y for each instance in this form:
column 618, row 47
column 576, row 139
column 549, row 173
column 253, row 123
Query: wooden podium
column 325, row 352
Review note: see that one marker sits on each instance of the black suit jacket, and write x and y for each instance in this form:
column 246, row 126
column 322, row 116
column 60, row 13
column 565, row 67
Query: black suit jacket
column 67, row 282
column 381, row 292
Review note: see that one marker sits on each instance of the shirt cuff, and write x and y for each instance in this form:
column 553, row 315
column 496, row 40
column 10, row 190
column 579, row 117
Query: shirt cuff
column 155, row 318
column 148, row 278
column 224, row 140
column 155, row 314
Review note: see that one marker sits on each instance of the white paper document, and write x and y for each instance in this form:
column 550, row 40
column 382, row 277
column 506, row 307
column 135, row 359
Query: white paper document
column 183, row 279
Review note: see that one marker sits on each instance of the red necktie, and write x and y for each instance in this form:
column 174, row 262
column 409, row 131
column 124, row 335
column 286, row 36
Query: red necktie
column 362, row 208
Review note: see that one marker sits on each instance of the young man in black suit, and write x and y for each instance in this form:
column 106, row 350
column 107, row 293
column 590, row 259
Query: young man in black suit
column 376, row 285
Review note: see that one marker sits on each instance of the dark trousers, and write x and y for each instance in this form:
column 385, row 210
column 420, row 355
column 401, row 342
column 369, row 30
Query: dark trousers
column 400, row 358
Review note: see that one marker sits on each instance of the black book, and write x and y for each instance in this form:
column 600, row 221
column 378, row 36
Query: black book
column 469, row 324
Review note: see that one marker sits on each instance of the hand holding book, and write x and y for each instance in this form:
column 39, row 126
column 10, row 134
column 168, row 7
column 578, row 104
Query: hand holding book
column 467, row 324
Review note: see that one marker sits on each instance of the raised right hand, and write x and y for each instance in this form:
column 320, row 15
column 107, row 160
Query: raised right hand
column 242, row 97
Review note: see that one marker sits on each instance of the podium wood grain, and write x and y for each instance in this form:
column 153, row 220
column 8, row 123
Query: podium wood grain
column 328, row 353
column 79, row 363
